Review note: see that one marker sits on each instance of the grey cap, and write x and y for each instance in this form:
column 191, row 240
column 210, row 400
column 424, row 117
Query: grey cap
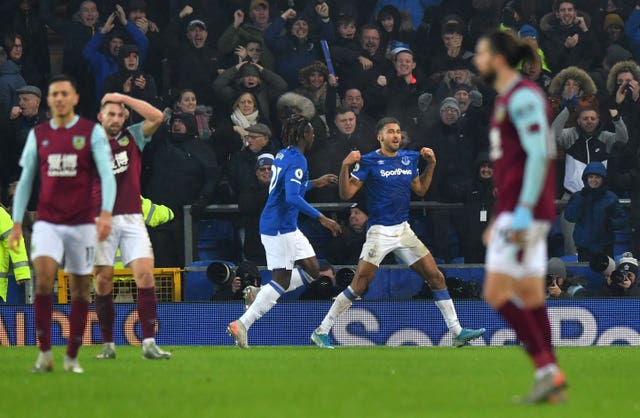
column 259, row 128
column 449, row 103
column 30, row 90
column 557, row 267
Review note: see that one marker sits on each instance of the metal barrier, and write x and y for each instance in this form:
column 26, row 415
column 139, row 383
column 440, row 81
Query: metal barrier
column 425, row 206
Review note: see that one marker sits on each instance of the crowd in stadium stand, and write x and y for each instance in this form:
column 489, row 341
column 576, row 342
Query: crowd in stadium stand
column 227, row 73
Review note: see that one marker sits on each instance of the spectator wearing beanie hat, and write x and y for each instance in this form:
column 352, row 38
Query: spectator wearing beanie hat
column 530, row 35
column 624, row 280
column 562, row 285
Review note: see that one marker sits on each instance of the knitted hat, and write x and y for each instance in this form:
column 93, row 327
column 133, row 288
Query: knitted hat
column 628, row 263
column 613, row 19
column 556, row 267
column 528, row 31
column 449, row 103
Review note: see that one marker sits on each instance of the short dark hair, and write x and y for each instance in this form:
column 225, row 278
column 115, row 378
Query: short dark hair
column 452, row 27
column 58, row 78
column 341, row 110
column 385, row 121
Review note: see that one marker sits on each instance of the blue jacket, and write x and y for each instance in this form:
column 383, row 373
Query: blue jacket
column 414, row 7
column 10, row 81
column 632, row 30
column 291, row 56
column 103, row 65
column 596, row 212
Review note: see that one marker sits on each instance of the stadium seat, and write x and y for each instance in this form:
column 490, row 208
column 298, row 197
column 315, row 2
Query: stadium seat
column 570, row 258
column 216, row 240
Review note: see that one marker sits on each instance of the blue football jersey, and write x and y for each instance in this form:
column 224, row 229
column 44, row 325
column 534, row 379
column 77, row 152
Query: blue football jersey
column 387, row 185
column 289, row 183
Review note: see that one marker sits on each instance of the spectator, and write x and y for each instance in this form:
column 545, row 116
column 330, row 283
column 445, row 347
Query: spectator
column 318, row 86
column 76, row 34
column 298, row 47
column 632, row 30
column 25, row 21
column 104, row 64
column 10, row 82
column 152, row 64
column 346, row 249
column 187, row 102
column 534, row 72
column 572, row 88
column 354, row 101
column 24, row 117
column 614, row 32
column 195, row 65
column 395, row 29
column 130, row 80
column 456, row 72
column 586, row 142
column 530, row 36
column 478, row 210
column 399, row 93
column 182, row 171
column 414, row 9
column 452, row 35
column 596, row 212
column 568, row 41
column 230, row 282
column 623, row 84
column 240, row 34
column 15, row 44
column 228, row 137
column 242, row 164
column 251, row 201
column 473, row 119
column 454, row 173
column 248, row 77
column 562, row 286
column 327, row 157
column 293, row 103
column 623, row 281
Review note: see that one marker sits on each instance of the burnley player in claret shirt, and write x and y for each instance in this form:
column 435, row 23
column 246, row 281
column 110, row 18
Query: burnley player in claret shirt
column 522, row 150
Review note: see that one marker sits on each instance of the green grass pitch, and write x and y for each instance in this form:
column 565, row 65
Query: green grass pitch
column 309, row 382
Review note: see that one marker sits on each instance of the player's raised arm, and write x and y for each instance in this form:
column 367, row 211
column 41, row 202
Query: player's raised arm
column 420, row 184
column 529, row 117
column 348, row 183
column 152, row 116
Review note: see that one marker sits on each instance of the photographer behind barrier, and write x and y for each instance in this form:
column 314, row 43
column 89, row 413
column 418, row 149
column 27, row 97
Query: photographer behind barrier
column 561, row 286
column 621, row 280
column 230, row 280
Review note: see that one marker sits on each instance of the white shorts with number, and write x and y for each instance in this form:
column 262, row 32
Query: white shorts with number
column 129, row 233
column 73, row 244
column 509, row 258
column 283, row 250
column 399, row 239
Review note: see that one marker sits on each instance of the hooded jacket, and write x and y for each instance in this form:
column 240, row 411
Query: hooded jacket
column 596, row 213
column 581, row 149
column 587, row 96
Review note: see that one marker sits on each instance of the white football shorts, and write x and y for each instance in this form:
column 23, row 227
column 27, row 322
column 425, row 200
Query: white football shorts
column 399, row 239
column 73, row 244
column 511, row 259
column 129, row 233
column 283, row 250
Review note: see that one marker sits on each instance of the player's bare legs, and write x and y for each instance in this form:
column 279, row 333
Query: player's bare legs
column 79, row 286
column 365, row 273
column 426, row 267
column 105, row 309
column 46, row 269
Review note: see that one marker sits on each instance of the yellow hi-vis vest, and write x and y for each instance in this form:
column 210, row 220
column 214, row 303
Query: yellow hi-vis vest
column 19, row 258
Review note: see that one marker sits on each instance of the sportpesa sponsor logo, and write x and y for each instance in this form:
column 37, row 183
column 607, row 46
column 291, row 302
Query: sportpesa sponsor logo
column 396, row 172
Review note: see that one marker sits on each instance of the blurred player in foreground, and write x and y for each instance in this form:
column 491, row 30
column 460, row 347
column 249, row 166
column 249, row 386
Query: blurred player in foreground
column 128, row 231
column 389, row 175
column 522, row 151
column 70, row 152
column 283, row 242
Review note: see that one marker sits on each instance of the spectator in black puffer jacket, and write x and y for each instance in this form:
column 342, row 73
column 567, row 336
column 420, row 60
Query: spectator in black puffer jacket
column 182, row 170
column 478, row 208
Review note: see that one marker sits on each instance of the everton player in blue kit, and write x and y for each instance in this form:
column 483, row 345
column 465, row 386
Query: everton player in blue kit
column 523, row 153
column 284, row 244
column 388, row 176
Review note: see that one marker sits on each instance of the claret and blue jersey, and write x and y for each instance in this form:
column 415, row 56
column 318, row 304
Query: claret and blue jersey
column 387, row 185
column 289, row 183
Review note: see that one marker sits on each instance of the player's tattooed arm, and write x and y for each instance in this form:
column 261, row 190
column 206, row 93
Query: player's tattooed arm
column 349, row 185
column 420, row 185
